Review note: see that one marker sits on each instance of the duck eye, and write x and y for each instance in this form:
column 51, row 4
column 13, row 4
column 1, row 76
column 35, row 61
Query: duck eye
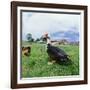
column 44, row 39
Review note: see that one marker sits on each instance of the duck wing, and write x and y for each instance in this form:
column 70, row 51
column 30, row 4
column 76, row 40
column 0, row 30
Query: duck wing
column 54, row 51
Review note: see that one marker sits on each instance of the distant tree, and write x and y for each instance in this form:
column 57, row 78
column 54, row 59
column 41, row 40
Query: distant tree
column 37, row 39
column 29, row 37
column 32, row 40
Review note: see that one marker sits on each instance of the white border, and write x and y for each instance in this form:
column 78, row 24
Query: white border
column 58, row 78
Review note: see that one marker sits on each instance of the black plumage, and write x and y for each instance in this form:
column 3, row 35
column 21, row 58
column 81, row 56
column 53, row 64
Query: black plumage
column 56, row 53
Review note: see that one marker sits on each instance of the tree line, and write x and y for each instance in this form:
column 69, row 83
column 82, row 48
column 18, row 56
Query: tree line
column 31, row 39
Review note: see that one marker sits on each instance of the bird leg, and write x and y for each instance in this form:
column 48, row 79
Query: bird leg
column 51, row 61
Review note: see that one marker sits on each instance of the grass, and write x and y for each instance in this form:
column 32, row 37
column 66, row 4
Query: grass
column 36, row 65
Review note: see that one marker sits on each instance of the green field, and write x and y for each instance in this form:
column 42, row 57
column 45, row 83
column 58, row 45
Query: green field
column 36, row 65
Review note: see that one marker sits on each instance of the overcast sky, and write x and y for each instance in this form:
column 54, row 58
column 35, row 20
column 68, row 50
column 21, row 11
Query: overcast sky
column 39, row 23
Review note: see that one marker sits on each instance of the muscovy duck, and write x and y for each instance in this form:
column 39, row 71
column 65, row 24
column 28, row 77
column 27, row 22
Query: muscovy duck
column 54, row 52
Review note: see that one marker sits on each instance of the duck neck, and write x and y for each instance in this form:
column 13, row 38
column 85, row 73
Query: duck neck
column 48, row 41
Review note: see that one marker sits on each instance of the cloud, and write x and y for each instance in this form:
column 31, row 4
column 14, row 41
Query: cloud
column 38, row 23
